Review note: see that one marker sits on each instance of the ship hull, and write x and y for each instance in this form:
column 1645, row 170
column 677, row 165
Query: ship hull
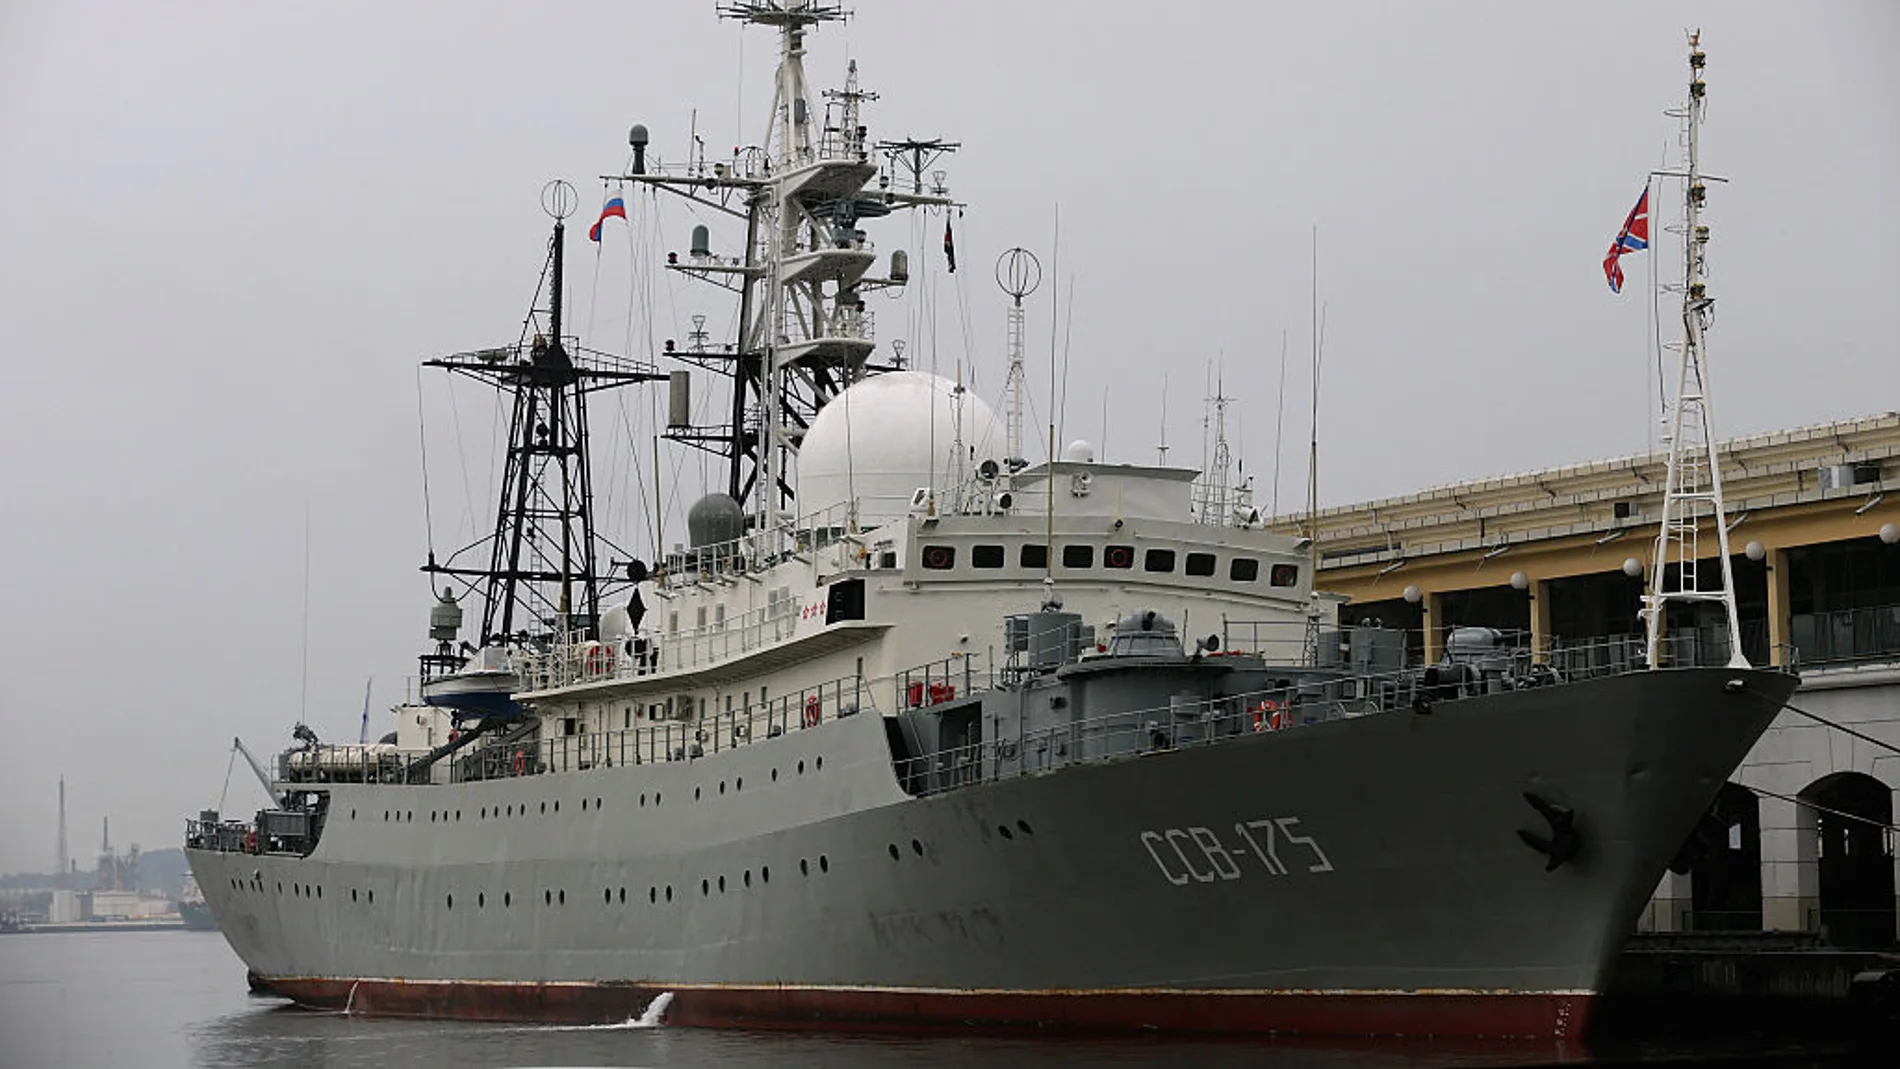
column 1362, row 876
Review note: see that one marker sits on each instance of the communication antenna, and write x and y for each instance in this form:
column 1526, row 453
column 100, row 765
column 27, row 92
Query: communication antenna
column 1694, row 487
column 1018, row 273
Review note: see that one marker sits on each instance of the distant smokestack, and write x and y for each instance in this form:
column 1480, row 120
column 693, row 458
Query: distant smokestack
column 105, row 835
column 65, row 861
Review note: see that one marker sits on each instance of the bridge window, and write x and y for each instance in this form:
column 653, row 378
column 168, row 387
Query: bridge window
column 987, row 556
column 1244, row 570
column 1158, row 560
column 1200, row 564
column 1034, row 556
column 940, row 558
column 1078, row 556
column 1285, row 574
column 1118, row 557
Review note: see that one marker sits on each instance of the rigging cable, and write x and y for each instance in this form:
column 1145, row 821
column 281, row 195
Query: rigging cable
column 422, row 441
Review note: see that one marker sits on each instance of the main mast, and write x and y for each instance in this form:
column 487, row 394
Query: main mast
column 1694, row 487
column 804, row 333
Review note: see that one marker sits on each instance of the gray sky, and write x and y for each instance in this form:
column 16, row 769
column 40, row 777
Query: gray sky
column 229, row 231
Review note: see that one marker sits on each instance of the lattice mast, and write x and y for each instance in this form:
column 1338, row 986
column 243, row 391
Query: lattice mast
column 1018, row 273
column 542, row 576
column 1693, row 491
column 804, row 332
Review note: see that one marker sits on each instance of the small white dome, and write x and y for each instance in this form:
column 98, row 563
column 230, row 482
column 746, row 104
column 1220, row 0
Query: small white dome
column 1081, row 451
column 881, row 439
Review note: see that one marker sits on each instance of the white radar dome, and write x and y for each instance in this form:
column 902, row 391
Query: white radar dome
column 882, row 439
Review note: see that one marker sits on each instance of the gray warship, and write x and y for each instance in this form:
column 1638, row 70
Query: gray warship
column 917, row 732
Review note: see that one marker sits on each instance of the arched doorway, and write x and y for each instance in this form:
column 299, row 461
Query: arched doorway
column 1854, row 858
column 1725, row 884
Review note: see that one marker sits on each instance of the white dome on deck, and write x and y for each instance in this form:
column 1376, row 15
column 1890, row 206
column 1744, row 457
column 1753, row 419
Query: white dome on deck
column 881, row 439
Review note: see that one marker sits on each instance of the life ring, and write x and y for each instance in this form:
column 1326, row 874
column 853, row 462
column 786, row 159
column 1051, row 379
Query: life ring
column 599, row 660
column 811, row 711
column 250, row 842
column 1267, row 716
column 520, row 762
column 1118, row 557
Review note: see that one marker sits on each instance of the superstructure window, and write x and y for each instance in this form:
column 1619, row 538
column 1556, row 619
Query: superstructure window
column 1158, row 560
column 1078, row 556
column 987, row 556
column 1244, row 570
column 1285, row 574
column 1200, row 564
column 1034, row 556
column 940, row 558
column 1118, row 557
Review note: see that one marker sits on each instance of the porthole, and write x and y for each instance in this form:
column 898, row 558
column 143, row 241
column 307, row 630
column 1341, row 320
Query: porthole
column 917, row 848
column 547, row 897
column 1024, row 825
column 747, row 878
column 656, row 799
column 1003, row 830
column 643, row 800
column 653, row 894
column 557, row 805
column 765, row 873
column 801, row 766
column 583, row 805
column 481, row 900
column 484, row 813
column 597, row 805
column 623, row 895
column 705, row 888
column 352, row 894
column 319, row 890
column 544, row 807
column 1158, row 560
column 352, row 814
column 987, row 556
column 1200, row 564
column 722, row 786
column 695, row 794
column 432, row 816
column 819, row 764
column 739, row 784
column 507, row 899
column 371, row 894
column 669, row 892
column 451, row 899
column 561, row 896
column 804, row 868
column 607, row 896
column 385, row 816
column 824, row 863
column 1078, row 556
column 894, row 854
column 722, row 885
column 511, row 811
column 775, row 775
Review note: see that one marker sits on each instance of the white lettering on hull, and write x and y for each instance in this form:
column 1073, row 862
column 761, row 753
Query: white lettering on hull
column 1199, row 855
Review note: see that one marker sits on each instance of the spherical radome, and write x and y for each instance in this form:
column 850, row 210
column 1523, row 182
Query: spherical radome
column 882, row 439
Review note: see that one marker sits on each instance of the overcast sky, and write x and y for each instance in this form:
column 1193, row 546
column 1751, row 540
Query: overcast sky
column 228, row 232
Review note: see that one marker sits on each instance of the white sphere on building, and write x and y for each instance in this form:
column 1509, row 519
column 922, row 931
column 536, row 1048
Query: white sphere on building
column 1890, row 533
column 1412, row 593
column 1632, row 567
column 1080, row 451
column 1754, row 551
column 881, row 440
column 1520, row 581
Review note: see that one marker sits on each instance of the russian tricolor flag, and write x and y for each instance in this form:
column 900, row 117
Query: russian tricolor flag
column 616, row 206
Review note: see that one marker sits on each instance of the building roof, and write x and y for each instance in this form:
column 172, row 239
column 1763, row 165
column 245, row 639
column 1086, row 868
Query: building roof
column 1848, row 458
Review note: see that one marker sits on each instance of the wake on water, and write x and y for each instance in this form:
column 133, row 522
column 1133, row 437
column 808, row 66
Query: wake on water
column 652, row 1017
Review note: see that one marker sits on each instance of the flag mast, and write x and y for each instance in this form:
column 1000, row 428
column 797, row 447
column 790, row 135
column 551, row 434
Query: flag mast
column 1694, row 486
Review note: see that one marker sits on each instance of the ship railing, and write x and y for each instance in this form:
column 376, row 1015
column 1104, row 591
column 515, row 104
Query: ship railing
column 685, row 739
column 959, row 675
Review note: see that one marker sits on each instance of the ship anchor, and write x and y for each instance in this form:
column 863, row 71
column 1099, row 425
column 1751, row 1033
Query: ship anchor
column 1562, row 843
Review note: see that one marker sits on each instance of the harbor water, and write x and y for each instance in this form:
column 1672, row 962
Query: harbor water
column 171, row 999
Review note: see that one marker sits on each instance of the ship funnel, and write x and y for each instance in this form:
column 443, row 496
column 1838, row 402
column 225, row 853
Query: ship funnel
column 637, row 137
column 445, row 619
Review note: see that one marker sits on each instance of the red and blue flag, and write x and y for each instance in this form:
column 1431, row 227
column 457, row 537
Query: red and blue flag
column 1634, row 237
column 616, row 206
